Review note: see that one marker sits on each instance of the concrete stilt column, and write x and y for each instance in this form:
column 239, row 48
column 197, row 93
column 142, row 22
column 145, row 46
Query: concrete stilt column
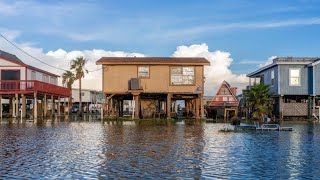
column 58, row 106
column 52, row 106
column 280, row 107
column 13, row 107
column 35, row 106
column 168, row 106
column 0, row 106
column 136, row 106
column 197, row 108
column 202, row 107
column 17, row 104
column 45, row 109
column 24, row 101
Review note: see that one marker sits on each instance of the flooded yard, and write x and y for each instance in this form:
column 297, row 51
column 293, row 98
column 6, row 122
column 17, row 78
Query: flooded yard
column 163, row 149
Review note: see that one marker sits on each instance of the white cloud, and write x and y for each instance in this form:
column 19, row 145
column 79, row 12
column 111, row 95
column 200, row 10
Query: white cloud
column 269, row 61
column 218, row 71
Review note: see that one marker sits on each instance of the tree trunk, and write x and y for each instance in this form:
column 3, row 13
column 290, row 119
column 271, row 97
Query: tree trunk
column 80, row 98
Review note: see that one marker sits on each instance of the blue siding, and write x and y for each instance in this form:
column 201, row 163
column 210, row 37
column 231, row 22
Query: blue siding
column 316, row 69
column 285, row 88
column 267, row 79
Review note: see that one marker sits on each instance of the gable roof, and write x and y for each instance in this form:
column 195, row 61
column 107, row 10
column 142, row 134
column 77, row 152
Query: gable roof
column 230, row 91
column 154, row 60
column 14, row 59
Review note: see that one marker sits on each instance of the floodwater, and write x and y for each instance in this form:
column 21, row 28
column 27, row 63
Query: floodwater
column 76, row 149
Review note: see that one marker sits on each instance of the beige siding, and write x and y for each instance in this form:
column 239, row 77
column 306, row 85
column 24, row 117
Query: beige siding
column 116, row 79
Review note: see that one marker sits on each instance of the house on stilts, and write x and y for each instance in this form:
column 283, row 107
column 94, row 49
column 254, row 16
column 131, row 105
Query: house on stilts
column 27, row 88
column 224, row 103
column 155, row 84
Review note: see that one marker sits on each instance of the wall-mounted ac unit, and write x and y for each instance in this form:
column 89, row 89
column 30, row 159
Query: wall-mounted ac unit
column 134, row 84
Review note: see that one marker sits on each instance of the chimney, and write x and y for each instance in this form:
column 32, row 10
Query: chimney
column 234, row 90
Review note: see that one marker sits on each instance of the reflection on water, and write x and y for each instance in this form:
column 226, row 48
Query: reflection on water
column 90, row 149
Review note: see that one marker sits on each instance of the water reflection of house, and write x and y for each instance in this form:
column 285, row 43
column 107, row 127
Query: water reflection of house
column 294, row 85
column 224, row 103
column 21, row 83
column 155, row 83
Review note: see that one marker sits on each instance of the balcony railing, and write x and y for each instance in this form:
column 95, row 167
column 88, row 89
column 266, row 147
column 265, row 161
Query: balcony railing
column 29, row 86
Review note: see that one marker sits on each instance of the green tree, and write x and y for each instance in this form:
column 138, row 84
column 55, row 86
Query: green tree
column 259, row 102
column 68, row 79
column 78, row 65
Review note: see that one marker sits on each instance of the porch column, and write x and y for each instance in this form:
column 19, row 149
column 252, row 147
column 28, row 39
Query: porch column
column 64, row 105
column 112, row 108
column 136, row 106
column 202, row 107
column 52, row 106
column 45, row 109
column 0, row 106
column 24, row 101
column 58, row 106
column 169, row 106
column 197, row 108
column 35, row 106
column 17, row 104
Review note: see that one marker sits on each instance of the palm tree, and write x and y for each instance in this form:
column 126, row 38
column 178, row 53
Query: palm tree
column 259, row 101
column 78, row 65
column 68, row 79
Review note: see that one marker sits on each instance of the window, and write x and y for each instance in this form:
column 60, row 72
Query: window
column 52, row 80
column 217, row 99
column 294, row 75
column 45, row 78
column 82, row 93
column 224, row 99
column 272, row 77
column 230, row 99
column 33, row 75
column 224, row 91
column 143, row 71
column 182, row 75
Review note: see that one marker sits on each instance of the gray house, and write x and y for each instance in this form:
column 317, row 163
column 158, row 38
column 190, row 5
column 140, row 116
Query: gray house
column 294, row 84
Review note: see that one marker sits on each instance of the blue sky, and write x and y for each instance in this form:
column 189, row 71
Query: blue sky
column 251, row 31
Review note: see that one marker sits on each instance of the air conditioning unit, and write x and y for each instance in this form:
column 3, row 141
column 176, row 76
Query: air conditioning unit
column 134, row 84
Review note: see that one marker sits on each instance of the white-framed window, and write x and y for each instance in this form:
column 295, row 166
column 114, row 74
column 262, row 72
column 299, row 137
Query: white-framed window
column 272, row 77
column 216, row 99
column 230, row 99
column 182, row 75
column 33, row 75
column 294, row 77
column 45, row 78
column 143, row 71
column 224, row 99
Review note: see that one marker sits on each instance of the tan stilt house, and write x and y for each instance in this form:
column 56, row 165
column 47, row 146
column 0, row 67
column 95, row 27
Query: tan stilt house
column 155, row 84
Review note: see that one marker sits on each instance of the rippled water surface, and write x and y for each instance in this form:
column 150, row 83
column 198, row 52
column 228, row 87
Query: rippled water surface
column 82, row 149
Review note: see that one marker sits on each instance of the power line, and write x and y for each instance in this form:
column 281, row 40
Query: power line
column 13, row 44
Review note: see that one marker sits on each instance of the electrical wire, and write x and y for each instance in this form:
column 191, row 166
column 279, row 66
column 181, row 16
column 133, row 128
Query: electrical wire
column 13, row 44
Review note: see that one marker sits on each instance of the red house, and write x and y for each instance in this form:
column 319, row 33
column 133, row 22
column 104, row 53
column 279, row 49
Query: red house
column 225, row 102
column 21, row 83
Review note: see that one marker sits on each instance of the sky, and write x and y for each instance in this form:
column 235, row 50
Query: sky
column 236, row 36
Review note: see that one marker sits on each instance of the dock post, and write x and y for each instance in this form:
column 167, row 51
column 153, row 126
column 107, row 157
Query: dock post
column 197, row 108
column 136, row 106
column 17, row 104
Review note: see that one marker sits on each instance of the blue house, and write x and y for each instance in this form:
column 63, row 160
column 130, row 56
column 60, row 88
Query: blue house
column 294, row 85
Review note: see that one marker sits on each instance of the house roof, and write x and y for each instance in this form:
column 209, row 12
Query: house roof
column 153, row 60
column 14, row 59
column 286, row 60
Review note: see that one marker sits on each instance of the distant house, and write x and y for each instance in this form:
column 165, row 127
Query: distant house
column 155, row 83
column 294, row 85
column 20, row 81
column 225, row 102
column 90, row 98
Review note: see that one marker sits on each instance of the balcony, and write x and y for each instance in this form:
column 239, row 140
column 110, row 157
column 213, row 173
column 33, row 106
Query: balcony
column 32, row 86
